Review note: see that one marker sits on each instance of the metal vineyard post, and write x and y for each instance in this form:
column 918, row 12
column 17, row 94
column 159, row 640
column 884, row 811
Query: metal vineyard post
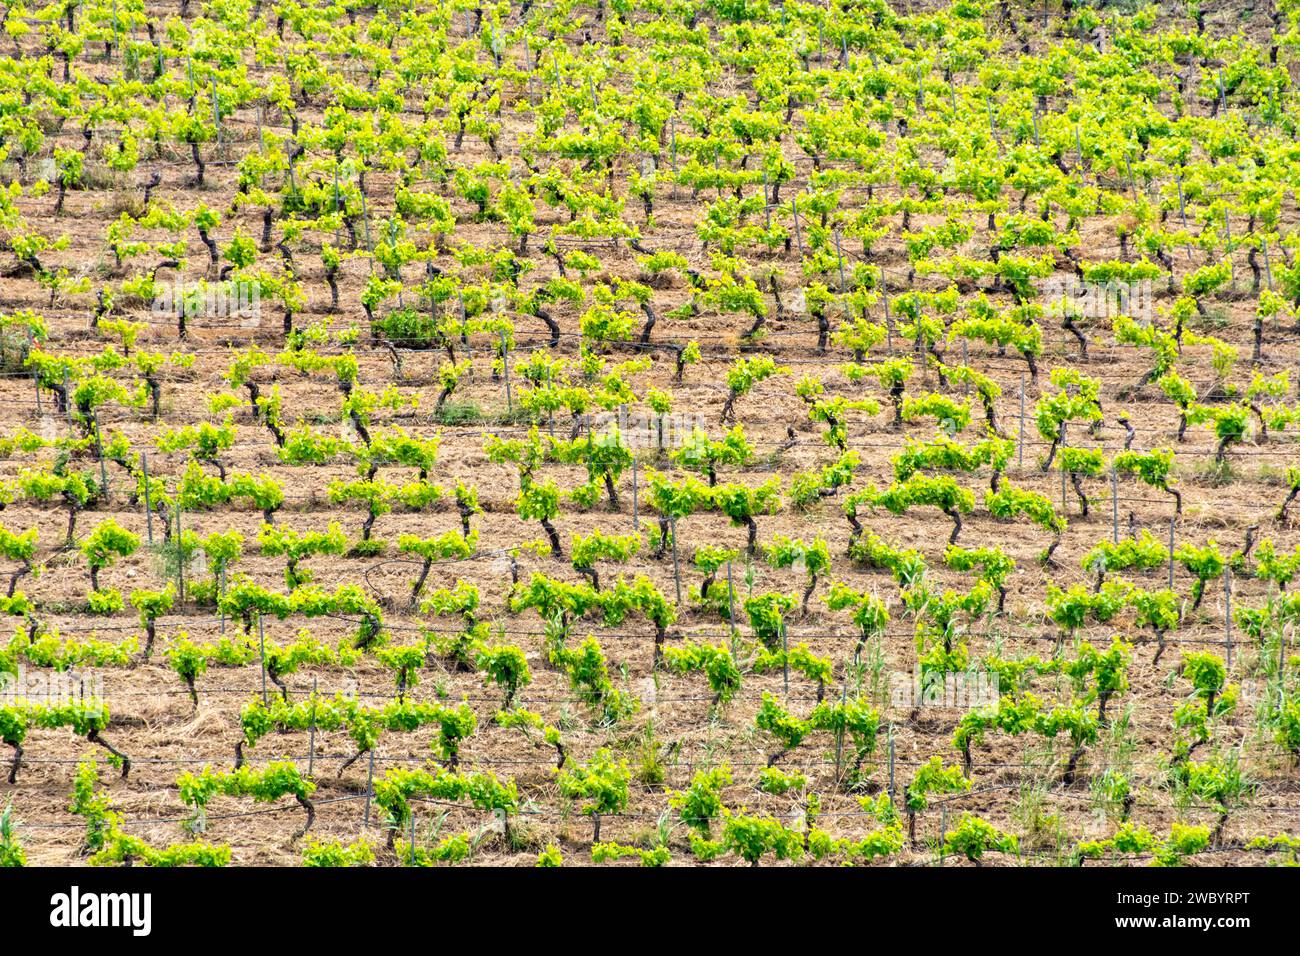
column 148, row 510
column 785, row 654
column 505, row 363
column 636, row 520
column 99, row 452
column 1061, row 465
column 839, row 735
column 891, row 762
column 943, row 830
column 311, row 732
column 261, row 650
column 677, row 571
column 1171, row 553
column 1227, row 611
column 731, row 601
column 1021, row 436
column 370, row 786
column 1114, row 505
column 180, row 555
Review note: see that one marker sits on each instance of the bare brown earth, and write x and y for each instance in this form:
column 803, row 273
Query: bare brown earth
column 1014, row 781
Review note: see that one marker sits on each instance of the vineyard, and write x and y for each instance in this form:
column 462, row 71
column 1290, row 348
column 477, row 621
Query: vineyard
column 649, row 432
